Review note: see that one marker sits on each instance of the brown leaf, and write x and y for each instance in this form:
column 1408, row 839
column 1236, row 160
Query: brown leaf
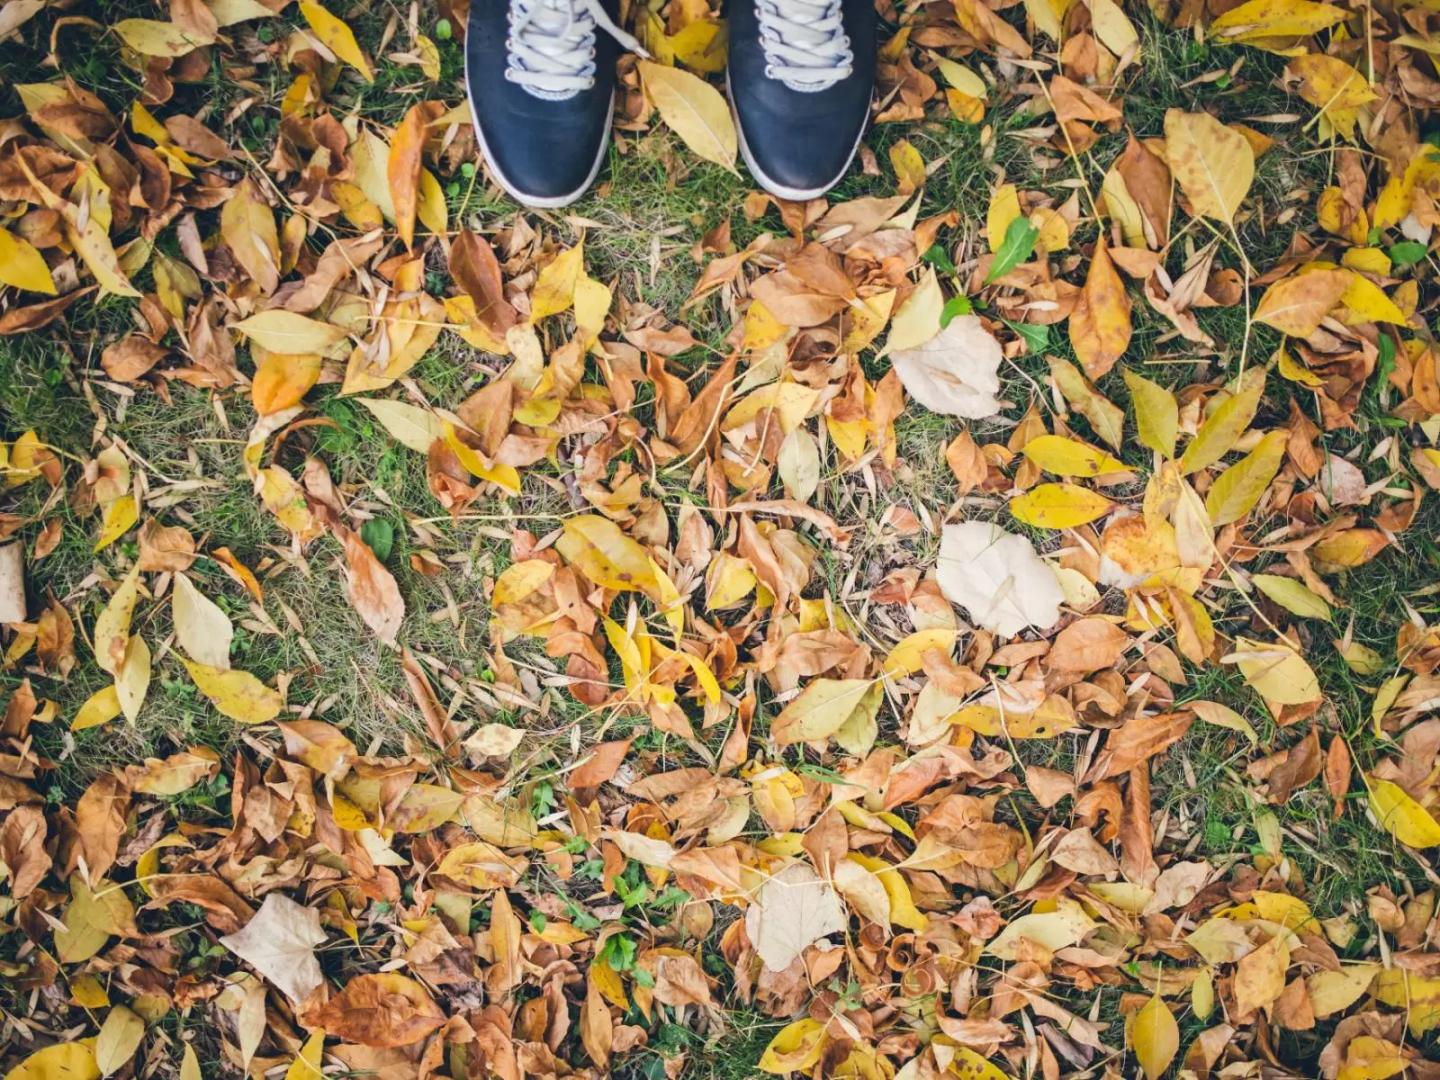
column 100, row 822
column 373, row 590
column 1088, row 645
column 1100, row 323
column 382, row 1011
column 476, row 270
column 131, row 357
column 1138, row 740
column 600, row 765
column 402, row 169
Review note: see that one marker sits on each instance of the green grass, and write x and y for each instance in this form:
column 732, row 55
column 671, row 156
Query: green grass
column 654, row 203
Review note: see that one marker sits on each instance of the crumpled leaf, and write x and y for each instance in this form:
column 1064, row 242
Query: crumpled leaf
column 385, row 1010
column 955, row 372
column 279, row 943
column 998, row 578
column 793, row 909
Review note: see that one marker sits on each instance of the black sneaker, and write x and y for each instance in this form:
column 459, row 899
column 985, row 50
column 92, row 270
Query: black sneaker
column 541, row 80
column 800, row 75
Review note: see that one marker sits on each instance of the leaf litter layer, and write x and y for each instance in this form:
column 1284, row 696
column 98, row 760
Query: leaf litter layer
column 978, row 624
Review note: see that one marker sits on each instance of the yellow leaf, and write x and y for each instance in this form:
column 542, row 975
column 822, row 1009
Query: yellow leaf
column 694, row 110
column 592, row 304
column 1294, row 596
column 728, row 580
column 1417, row 994
column 1237, row 489
column 1297, row 304
column 1260, row 19
column 1402, row 816
column 520, row 580
column 431, row 209
column 1333, row 87
column 409, row 425
column 132, row 681
column 823, row 708
column 100, row 708
column 1004, row 208
column 63, row 1061
column 1276, row 672
column 1058, row 506
column 556, row 283
column 88, row 992
column 604, row 554
column 795, row 1048
column 247, row 225
column 967, row 82
column 306, row 1065
column 22, row 266
column 118, row 519
column 91, row 919
column 503, row 476
column 969, row 1065
column 118, row 1040
column 1363, row 302
column 112, row 628
column 909, row 166
column 903, row 911
column 1155, row 1036
column 908, row 655
column 1115, row 31
column 236, row 694
column 1213, row 164
column 1222, row 428
column 918, row 319
column 481, row 866
column 336, row 36
column 150, row 37
column 1157, row 414
column 190, row 1065
column 282, row 380
column 290, row 333
column 1070, row 457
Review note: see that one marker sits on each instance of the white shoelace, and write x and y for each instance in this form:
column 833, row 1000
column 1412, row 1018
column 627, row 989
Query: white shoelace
column 804, row 42
column 551, row 47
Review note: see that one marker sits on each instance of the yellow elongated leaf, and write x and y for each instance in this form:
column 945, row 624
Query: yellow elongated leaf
column 283, row 331
column 1070, row 457
column 1156, row 1037
column 1004, row 208
column 236, row 694
column 1058, row 506
column 1399, row 814
column 112, row 628
column 247, row 225
column 1213, row 164
column 694, row 110
column 100, row 708
column 823, row 708
column 1237, row 490
column 336, row 36
column 908, row 655
column 1293, row 595
column 201, row 628
column 132, row 681
column 409, row 425
column 605, row 555
column 151, row 37
column 1260, row 19
column 118, row 1040
column 22, row 266
column 63, row 1061
column 1157, row 414
column 306, row 1065
column 1222, row 428
column 190, row 1064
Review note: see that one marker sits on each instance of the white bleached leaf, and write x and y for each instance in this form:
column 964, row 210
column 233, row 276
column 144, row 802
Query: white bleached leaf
column 279, row 943
column 956, row 372
column 998, row 578
column 792, row 911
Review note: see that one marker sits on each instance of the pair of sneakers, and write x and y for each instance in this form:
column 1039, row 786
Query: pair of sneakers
column 541, row 80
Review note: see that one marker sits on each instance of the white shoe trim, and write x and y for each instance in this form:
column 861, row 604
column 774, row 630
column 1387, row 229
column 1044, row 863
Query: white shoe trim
column 774, row 187
column 534, row 202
